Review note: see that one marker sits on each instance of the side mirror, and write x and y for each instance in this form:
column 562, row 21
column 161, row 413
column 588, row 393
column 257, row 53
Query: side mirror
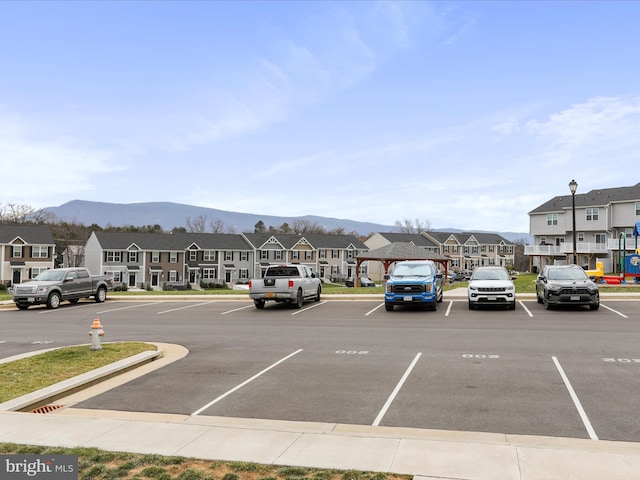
column 386, row 277
column 313, row 275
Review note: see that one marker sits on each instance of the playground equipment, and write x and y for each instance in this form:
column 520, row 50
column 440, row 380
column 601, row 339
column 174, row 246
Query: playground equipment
column 629, row 265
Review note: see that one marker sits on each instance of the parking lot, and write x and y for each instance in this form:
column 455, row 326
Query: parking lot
column 569, row 373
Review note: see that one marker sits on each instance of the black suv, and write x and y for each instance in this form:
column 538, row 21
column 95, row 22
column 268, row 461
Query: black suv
column 566, row 285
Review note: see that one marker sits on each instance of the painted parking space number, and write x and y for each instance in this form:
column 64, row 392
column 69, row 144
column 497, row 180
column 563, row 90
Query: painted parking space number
column 352, row 352
column 622, row 360
column 481, row 355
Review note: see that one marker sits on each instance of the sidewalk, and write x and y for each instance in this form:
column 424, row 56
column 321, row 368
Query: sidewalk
column 427, row 454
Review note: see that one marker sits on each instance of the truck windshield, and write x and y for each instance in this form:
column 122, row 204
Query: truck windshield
column 412, row 270
column 50, row 275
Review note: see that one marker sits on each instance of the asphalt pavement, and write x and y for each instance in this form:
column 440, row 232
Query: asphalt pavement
column 428, row 454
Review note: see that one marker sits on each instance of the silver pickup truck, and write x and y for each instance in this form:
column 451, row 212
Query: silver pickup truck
column 56, row 285
column 285, row 283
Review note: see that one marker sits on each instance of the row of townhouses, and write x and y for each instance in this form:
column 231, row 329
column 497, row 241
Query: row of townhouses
column 156, row 259
column 605, row 220
column 464, row 250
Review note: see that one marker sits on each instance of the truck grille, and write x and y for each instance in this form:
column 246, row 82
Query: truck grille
column 407, row 289
column 25, row 290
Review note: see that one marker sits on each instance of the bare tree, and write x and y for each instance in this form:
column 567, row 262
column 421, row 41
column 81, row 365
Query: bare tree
column 197, row 225
column 217, row 226
column 22, row 213
column 408, row 226
column 301, row 226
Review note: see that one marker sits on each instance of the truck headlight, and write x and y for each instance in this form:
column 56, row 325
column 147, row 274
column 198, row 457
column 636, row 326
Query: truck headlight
column 42, row 290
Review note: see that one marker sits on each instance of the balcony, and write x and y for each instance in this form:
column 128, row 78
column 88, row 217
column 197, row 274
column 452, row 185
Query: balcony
column 567, row 249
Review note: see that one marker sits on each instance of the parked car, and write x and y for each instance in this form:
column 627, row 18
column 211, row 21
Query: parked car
column 566, row 285
column 364, row 282
column 463, row 275
column 491, row 285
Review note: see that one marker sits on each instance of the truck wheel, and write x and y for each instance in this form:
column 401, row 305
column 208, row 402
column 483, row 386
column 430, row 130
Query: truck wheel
column 434, row 306
column 54, row 300
column 299, row 300
column 101, row 295
column 388, row 307
column 259, row 304
column 317, row 299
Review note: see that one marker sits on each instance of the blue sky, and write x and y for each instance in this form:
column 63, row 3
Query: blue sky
column 461, row 114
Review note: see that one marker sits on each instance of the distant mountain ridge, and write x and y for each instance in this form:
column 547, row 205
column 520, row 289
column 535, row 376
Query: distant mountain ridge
column 169, row 215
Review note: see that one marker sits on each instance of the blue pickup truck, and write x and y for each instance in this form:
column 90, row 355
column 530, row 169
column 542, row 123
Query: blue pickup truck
column 413, row 282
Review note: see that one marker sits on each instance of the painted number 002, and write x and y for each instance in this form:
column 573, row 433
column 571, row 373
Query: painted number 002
column 622, row 360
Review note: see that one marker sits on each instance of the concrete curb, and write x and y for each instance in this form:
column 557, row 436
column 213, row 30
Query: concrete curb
column 58, row 390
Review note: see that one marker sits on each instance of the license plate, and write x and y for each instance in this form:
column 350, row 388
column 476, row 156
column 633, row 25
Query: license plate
column 31, row 299
column 575, row 298
column 270, row 295
column 408, row 298
column 492, row 298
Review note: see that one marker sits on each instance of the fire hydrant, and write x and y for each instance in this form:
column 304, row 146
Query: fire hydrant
column 95, row 333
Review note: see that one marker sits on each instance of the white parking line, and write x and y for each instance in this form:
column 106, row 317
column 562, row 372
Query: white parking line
column 183, row 308
column 449, row 308
column 236, row 309
column 525, row 308
column 614, row 311
column 576, row 401
column 126, row 308
column 213, row 402
column 371, row 311
column 309, row 308
column 393, row 395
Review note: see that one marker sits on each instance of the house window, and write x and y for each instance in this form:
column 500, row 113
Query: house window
column 335, row 270
column 244, row 273
column 209, row 256
column 581, row 236
column 228, row 256
column 335, row 253
column 264, row 254
column 193, row 255
column 278, row 255
column 173, row 276
column 322, row 253
column 37, row 271
column 133, row 257
column 208, row 273
column 552, row 219
column 308, row 255
column 155, row 257
column 112, row 256
column 601, row 238
column 39, row 252
column 637, row 208
column 244, row 256
column 351, row 254
column 17, row 251
column 173, row 257
column 592, row 214
column 295, row 255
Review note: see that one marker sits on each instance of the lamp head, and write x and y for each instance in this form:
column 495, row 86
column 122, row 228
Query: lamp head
column 573, row 186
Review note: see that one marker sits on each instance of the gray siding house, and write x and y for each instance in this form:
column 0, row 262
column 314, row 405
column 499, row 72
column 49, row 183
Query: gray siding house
column 25, row 251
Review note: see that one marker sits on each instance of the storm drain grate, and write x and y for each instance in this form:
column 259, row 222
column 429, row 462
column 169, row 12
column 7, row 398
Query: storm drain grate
column 47, row 409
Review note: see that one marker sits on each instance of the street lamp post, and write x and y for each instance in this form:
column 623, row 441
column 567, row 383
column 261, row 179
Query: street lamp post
column 573, row 186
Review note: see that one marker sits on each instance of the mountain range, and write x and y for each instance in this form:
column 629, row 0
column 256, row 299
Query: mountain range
column 169, row 215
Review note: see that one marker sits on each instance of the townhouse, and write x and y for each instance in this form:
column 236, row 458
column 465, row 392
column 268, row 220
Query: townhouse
column 25, row 251
column 605, row 222
column 331, row 256
column 464, row 250
column 157, row 259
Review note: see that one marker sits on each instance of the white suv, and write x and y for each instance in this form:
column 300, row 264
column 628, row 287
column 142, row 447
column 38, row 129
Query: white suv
column 491, row 286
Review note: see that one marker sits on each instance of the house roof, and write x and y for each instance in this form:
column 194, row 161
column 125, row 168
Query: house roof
column 483, row 238
column 169, row 241
column 31, row 234
column 415, row 238
column 595, row 198
column 315, row 240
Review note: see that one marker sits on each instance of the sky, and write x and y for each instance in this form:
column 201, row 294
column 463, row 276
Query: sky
column 455, row 114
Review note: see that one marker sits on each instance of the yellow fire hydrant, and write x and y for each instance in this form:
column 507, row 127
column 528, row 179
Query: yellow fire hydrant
column 95, row 333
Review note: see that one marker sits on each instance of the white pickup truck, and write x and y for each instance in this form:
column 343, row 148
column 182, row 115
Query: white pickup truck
column 285, row 283
column 53, row 286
